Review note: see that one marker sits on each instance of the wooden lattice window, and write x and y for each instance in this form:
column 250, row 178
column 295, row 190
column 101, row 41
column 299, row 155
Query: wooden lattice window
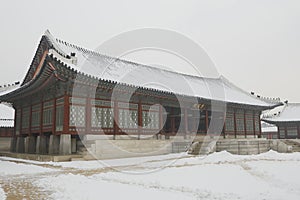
column 150, row 117
column 77, row 115
column 59, row 117
column 257, row 122
column 292, row 132
column 128, row 115
column 249, row 122
column 240, row 123
column 281, row 132
column 102, row 117
column 229, row 123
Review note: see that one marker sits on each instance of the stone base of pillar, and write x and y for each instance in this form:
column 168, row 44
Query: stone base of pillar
column 31, row 144
column 20, row 147
column 41, row 145
column 26, row 144
column 13, row 144
column 54, row 144
column 74, row 145
column 65, row 144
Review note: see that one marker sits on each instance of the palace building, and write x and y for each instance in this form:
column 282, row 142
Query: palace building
column 58, row 101
column 287, row 120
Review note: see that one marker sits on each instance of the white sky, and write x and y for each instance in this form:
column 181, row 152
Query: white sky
column 254, row 43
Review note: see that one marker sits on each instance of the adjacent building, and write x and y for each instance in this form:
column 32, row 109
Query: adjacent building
column 287, row 119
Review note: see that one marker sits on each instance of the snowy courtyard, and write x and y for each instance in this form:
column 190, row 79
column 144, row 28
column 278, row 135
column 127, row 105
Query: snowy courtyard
column 176, row 176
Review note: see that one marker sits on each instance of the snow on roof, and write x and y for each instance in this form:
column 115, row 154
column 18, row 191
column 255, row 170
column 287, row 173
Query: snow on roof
column 122, row 71
column 9, row 88
column 6, row 115
column 290, row 112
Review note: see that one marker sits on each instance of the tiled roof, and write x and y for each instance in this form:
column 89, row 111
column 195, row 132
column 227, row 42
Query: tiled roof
column 122, row 71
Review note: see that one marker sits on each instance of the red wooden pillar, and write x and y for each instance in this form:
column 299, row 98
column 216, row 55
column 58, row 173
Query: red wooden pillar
column 15, row 122
column 206, row 121
column 21, row 121
column 172, row 121
column 66, row 114
column 285, row 132
column 245, row 123
column 42, row 116
column 235, row 124
column 116, row 118
column 140, row 119
column 161, row 122
column 54, row 117
column 88, row 116
column 30, row 119
column 259, row 123
column 254, row 127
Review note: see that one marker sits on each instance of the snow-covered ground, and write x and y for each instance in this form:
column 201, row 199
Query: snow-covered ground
column 176, row 176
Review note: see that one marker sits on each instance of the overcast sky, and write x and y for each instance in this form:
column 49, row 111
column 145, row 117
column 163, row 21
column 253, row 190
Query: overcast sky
column 254, row 43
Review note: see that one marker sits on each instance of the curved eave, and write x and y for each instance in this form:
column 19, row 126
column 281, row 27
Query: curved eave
column 272, row 121
column 43, row 78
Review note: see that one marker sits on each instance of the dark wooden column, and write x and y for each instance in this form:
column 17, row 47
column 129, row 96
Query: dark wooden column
column 54, row 117
column 172, row 121
column 88, row 119
column 66, row 114
column 254, row 127
column 206, row 121
column 285, row 130
column 21, row 120
column 259, row 123
column 235, row 124
column 30, row 119
column 140, row 119
column 15, row 121
column 42, row 115
column 116, row 118
column 161, row 122
column 298, row 129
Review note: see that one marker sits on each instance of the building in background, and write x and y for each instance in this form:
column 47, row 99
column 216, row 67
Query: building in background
column 51, row 114
column 287, row 119
column 6, row 126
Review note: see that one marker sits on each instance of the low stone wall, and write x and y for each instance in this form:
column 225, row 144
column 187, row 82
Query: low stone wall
column 243, row 146
column 107, row 147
